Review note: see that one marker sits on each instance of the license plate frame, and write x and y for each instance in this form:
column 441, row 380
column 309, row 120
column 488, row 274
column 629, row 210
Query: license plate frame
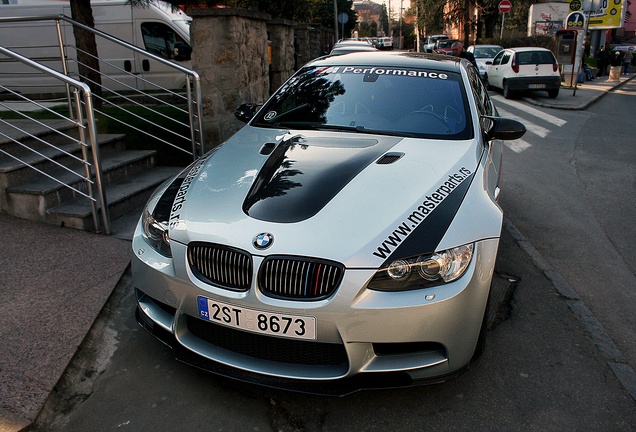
column 289, row 326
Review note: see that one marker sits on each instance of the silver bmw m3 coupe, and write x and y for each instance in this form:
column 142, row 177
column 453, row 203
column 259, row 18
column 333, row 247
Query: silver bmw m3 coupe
column 345, row 238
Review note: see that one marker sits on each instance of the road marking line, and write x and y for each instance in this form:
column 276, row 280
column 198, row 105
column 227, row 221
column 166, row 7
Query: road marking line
column 532, row 111
column 531, row 127
column 518, row 145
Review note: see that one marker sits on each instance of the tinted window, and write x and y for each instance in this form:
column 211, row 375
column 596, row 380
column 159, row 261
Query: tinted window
column 535, row 57
column 159, row 39
column 407, row 102
column 505, row 59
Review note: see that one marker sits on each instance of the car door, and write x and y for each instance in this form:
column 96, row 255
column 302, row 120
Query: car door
column 493, row 70
column 503, row 69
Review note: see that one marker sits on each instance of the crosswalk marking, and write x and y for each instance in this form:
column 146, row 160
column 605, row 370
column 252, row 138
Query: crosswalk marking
column 529, row 110
column 518, row 145
column 530, row 127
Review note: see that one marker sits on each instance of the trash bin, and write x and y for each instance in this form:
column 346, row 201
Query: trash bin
column 615, row 73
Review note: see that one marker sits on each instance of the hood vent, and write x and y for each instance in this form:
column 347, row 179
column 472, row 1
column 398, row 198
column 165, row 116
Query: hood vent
column 389, row 158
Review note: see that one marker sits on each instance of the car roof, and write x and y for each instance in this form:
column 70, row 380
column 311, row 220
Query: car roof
column 392, row 59
column 485, row 46
column 521, row 49
column 351, row 48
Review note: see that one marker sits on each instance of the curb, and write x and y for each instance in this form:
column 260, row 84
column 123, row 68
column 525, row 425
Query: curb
column 606, row 347
column 582, row 107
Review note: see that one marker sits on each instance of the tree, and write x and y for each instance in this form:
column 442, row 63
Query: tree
column 430, row 15
column 384, row 20
column 87, row 57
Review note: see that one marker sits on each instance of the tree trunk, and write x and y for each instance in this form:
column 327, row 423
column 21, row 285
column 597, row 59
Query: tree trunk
column 87, row 58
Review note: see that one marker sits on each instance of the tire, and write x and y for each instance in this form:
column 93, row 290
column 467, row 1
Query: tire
column 553, row 93
column 507, row 93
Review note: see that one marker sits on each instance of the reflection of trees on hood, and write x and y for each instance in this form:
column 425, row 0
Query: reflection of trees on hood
column 274, row 179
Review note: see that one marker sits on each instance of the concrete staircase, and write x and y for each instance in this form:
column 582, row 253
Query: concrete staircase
column 130, row 176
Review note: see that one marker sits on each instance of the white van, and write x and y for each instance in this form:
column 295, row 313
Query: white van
column 155, row 28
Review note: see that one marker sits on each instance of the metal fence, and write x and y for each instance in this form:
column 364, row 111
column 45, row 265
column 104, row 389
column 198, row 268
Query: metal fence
column 53, row 67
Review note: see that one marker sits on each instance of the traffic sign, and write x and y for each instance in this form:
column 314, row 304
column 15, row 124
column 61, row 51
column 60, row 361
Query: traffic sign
column 505, row 6
column 575, row 21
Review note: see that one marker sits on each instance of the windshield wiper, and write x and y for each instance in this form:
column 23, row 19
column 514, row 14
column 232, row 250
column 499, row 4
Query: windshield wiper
column 360, row 129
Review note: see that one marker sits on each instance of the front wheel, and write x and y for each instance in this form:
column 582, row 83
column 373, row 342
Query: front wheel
column 553, row 93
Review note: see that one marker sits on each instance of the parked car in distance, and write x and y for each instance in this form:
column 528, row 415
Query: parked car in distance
column 429, row 42
column 524, row 69
column 332, row 243
column 484, row 53
column 443, row 46
column 385, row 43
column 346, row 49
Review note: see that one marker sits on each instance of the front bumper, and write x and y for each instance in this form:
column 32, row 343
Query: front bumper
column 375, row 339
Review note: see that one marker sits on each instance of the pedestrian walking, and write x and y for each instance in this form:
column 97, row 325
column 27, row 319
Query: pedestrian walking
column 627, row 61
column 602, row 60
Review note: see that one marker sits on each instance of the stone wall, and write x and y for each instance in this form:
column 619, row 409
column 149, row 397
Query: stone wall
column 281, row 36
column 230, row 55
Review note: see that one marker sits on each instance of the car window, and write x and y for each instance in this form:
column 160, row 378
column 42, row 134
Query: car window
column 497, row 59
column 404, row 101
column 535, row 57
column 486, row 52
column 506, row 58
column 160, row 39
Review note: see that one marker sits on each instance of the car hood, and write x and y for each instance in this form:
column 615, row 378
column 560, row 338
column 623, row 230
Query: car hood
column 331, row 195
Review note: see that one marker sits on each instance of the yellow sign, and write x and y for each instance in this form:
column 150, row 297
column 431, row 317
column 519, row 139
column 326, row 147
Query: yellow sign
column 611, row 14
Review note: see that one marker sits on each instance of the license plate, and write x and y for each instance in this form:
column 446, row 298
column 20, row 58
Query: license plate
column 536, row 86
column 257, row 321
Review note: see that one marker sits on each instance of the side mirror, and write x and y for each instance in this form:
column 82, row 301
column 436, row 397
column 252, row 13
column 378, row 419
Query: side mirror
column 504, row 129
column 182, row 51
column 246, row 111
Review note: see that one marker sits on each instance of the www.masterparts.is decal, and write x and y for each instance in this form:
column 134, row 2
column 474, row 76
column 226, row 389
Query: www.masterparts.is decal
column 423, row 210
column 180, row 198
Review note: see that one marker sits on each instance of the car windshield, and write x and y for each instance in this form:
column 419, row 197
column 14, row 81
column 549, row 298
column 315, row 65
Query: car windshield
column 378, row 100
column 445, row 43
column 487, row 52
column 535, row 57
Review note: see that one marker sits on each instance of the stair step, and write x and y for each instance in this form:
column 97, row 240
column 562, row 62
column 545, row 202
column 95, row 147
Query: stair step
column 34, row 198
column 123, row 197
column 33, row 159
column 15, row 172
column 51, row 131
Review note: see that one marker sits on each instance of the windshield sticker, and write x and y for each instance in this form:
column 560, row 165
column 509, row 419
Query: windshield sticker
column 381, row 71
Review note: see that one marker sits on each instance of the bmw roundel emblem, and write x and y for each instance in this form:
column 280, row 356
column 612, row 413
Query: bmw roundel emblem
column 263, row 241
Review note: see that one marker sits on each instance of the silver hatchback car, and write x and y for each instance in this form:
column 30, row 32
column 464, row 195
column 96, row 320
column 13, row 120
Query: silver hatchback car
column 345, row 238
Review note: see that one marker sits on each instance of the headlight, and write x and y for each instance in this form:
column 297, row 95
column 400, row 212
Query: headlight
column 156, row 233
column 423, row 271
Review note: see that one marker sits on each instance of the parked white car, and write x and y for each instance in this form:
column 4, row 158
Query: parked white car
column 483, row 54
column 385, row 43
column 524, row 69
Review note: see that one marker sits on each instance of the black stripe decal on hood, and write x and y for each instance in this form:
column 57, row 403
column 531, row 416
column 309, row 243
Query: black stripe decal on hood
column 420, row 233
column 304, row 173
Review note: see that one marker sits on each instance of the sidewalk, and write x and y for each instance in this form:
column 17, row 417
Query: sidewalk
column 54, row 281
column 585, row 95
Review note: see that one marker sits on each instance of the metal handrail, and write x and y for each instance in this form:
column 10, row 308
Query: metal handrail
column 84, row 89
column 84, row 102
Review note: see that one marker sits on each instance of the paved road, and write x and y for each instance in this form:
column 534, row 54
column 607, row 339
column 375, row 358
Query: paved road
column 569, row 188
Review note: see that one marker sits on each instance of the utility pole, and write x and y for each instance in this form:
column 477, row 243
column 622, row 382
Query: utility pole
column 335, row 18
